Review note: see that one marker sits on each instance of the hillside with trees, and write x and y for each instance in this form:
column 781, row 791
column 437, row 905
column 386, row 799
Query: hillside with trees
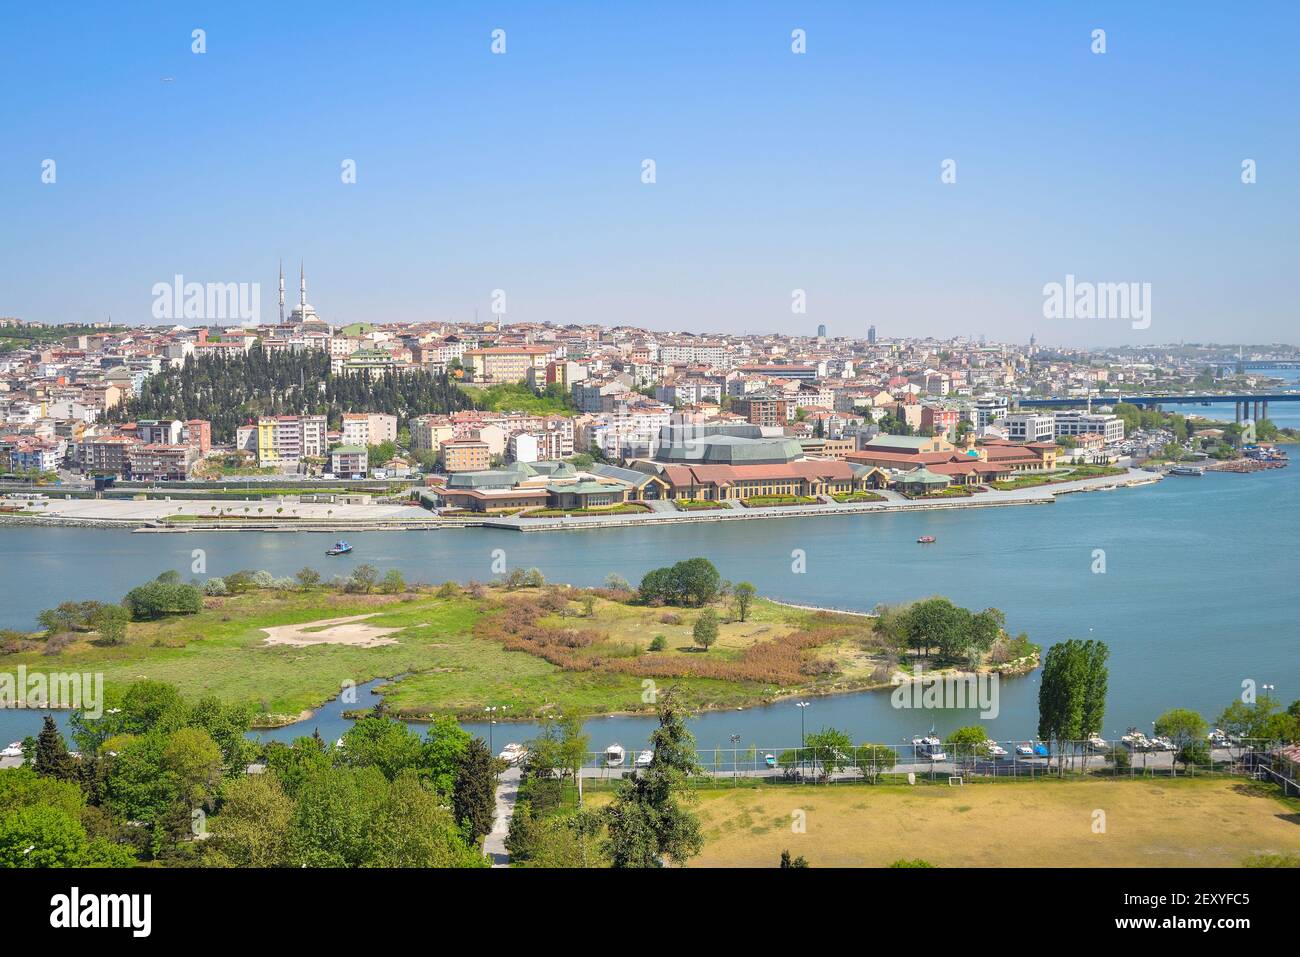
column 231, row 390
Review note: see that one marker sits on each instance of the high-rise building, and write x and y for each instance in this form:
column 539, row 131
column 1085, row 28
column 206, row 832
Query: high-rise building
column 871, row 335
column 821, row 331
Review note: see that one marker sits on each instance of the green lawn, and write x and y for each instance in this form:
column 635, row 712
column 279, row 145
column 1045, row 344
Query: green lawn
column 222, row 651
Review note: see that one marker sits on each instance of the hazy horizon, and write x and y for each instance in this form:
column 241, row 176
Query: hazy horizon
column 775, row 171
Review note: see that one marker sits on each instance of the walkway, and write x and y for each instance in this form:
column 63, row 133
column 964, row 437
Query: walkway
column 494, row 844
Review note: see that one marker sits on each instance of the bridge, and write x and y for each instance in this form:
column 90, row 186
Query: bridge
column 1240, row 400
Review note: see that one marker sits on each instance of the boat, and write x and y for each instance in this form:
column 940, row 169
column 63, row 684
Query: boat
column 1193, row 470
column 340, row 548
column 15, row 750
column 1097, row 743
column 644, row 758
column 1161, row 743
column 1135, row 740
column 1041, row 750
column 926, row 540
column 513, row 753
column 614, row 755
column 1218, row 739
column 994, row 750
column 769, row 760
column 1024, row 750
column 929, row 746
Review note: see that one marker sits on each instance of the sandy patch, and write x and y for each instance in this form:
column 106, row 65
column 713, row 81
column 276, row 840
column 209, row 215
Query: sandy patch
column 332, row 631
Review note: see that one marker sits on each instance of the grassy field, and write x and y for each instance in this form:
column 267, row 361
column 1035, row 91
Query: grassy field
column 449, row 669
column 1184, row 822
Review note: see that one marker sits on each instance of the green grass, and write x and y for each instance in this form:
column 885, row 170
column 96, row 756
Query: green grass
column 696, row 504
column 858, row 497
column 627, row 508
column 449, row 670
column 762, row 501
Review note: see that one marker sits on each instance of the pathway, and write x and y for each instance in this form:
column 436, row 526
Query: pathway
column 494, row 845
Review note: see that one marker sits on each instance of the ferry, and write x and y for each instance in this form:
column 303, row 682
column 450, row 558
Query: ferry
column 1193, row 470
column 340, row 548
column 926, row 540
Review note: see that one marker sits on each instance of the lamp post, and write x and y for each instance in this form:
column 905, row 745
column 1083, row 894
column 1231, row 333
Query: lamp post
column 735, row 741
column 801, row 705
column 492, row 720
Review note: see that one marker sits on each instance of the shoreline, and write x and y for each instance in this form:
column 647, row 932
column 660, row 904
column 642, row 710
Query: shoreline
column 1045, row 494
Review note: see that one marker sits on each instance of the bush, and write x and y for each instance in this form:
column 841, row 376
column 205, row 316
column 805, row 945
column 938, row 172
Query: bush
column 158, row 599
column 215, row 587
column 660, row 643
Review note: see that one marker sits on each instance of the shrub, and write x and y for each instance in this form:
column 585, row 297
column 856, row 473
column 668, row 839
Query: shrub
column 215, row 587
column 660, row 643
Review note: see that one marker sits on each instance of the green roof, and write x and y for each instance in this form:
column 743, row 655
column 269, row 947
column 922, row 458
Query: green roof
column 902, row 441
column 926, row 477
column 583, row 488
column 347, row 450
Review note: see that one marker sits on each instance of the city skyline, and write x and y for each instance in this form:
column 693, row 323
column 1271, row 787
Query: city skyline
column 775, row 172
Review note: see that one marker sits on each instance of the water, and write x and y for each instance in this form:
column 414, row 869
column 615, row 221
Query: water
column 1282, row 414
column 1198, row 593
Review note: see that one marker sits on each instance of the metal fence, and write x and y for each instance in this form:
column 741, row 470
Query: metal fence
column 948, row 763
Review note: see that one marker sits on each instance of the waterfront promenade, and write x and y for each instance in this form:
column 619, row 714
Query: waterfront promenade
column 170, row 516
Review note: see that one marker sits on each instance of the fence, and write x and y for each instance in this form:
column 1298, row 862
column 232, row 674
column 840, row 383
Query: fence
column 951, row 764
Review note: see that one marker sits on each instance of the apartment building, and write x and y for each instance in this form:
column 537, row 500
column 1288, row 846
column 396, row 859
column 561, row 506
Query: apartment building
column 497, row 364
column 285, row 439
column 764, row 409
column 465, row 455
column 369, row 428
column 159, row 462
column 1109, row 427
column 1029, row 426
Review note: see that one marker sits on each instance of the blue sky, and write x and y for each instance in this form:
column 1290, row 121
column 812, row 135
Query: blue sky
column 775, row 171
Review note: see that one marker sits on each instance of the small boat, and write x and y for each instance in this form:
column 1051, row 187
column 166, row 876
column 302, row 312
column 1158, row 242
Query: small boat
column 929, row 746
column 1161, row 743
column 1135, row 740
column 769, row 760
column 994, row 750
column 1024, row 751
column 1041, row 750
column 1192, row 470
column 15, row 750
column 644, row 758
column 1218, row 739
column 1097, row 743
column 513, row 753
column 926, row 540
column 614, row 755
column 340, row 548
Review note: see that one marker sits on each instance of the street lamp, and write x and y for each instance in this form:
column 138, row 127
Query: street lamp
column 735, row 741
column 801, row 705
column 491, row 721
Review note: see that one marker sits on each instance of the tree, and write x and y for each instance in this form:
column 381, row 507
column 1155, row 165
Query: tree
column 413, row 829
column 444, row 744
column 393, row 583
column 829, row 749
column 875, row 759
column 52, row 758
column 473, row 799
column 786, row 861
column 969, row 740
column 363, row 579
column 937, row 622
column 705, row 632
column 1186, row 729
column 696, row 580
column 1061, row 694
column 986, row 628
column 111, row 623
column 255, row 825
column 44, row 836
column 308, row 578
column 334, row 820
column 743, row 597
column 377, row 742
column 647, row 819
column 1096, row 680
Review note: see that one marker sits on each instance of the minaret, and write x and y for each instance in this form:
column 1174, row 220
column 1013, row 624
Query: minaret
column 302, row 289
column 281, row 292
